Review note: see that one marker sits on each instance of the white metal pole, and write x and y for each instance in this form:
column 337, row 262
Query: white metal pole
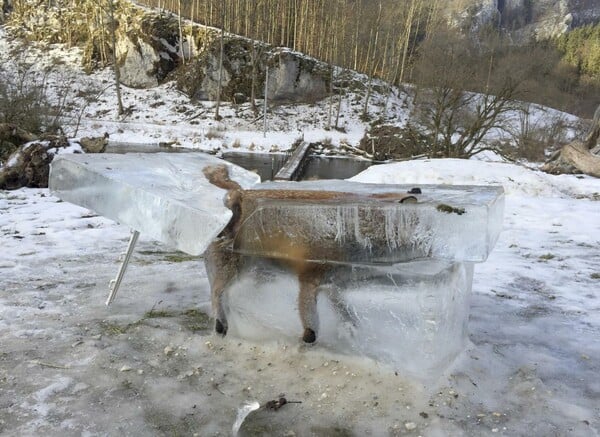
column 116, row 283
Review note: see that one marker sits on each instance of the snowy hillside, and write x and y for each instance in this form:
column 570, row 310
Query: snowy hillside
column 163, row 115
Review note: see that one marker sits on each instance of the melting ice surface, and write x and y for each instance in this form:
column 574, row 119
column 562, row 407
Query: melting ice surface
column 458, row 223
column 163, row 195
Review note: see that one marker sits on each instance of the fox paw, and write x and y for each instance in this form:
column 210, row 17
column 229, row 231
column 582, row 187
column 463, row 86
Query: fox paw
column 309, row 336
column 220, row 327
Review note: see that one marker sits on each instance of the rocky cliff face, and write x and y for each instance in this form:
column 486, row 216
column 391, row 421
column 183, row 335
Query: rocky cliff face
column 149, row 51
column 524, row 19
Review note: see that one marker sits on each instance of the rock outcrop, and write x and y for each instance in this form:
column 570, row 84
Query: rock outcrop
column 294, row 77
column 524, row 19
column 147, row 47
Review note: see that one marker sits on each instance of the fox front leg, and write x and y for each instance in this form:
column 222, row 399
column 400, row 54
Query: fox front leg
column 222, row 267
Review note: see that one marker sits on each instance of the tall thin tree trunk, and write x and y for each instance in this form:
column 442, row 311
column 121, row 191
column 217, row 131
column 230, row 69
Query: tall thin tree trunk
column 220, row 80
column 373, row 62
column 113, row 40
column 253, row 60
column 330, row 98
column 179, row 20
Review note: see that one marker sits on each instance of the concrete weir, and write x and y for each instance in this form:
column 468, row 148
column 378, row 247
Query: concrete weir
column 292, row 169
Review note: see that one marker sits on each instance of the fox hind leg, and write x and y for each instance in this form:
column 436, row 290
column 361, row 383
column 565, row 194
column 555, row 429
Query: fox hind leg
column 217, row 304
column 348, row 317
column 310, row 279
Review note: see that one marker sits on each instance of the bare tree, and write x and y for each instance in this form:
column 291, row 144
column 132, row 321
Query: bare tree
column 180, row 24
column 113, row 42
column 109, row 7
column 453, row 118
column 373, row 60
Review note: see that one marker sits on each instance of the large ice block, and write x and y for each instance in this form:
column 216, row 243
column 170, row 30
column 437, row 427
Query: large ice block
column 162, row 195
column 457, row 223
column 412, row 316
column 399, row 277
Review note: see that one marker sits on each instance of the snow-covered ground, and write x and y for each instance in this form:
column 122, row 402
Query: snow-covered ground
column 150, row 364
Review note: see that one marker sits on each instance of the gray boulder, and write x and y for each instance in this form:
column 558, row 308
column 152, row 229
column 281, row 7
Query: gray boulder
column 137, row 63
column 94, row 144
column 294, row 77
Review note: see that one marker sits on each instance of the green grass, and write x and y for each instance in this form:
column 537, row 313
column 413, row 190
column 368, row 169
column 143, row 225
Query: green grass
column 191, row 319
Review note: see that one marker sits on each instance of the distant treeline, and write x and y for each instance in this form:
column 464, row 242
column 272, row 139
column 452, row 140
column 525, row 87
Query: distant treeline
column 397, row 41
column 581, row 48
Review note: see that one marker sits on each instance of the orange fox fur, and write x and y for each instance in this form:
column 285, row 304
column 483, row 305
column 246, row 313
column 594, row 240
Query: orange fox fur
column 223, row 265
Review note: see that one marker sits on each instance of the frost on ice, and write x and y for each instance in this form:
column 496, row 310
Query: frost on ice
column 398, row 289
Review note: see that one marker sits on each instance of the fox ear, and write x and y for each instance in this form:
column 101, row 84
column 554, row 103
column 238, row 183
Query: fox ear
column 408, row 199
column 216, row 173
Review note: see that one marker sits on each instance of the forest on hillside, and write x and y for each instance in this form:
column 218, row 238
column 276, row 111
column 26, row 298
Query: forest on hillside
column 399, row 42
column 389, row 39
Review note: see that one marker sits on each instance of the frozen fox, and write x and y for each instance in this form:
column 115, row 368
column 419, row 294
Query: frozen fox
column 223, row 264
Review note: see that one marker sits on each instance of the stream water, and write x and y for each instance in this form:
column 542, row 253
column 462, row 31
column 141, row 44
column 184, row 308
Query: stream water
column 266, row 165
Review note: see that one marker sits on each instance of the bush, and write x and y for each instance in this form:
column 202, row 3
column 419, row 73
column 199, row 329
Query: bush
column 35, row 100
column 22, row 101
column 533, row 140
column 385, row 142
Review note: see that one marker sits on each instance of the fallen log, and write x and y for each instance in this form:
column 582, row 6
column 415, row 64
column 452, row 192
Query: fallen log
column 574, row 158
column 578, row 156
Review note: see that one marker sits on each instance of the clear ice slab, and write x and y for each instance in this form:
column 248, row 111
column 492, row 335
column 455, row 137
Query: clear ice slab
column 164, row 196
column 412, row 316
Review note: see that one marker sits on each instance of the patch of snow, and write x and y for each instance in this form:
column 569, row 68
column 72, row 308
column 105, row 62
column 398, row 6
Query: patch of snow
column 516, row 179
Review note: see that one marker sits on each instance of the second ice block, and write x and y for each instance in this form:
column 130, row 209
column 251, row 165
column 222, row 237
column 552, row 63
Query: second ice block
column 162, row 195
column 411, row 315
